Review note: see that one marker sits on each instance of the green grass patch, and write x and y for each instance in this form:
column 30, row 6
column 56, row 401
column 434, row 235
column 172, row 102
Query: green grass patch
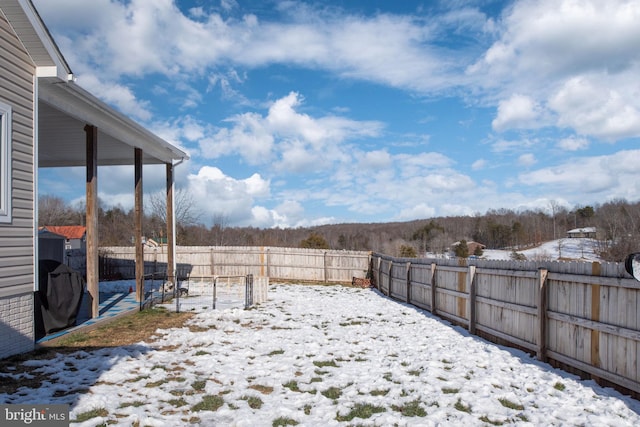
column 156, row 383
column 414, row 372
column 559, row 386
column 332, row 393
column 486, row 419
column 447, row 390
column 291, row 385
column 284, row 421
column 254, row 402
column 379, row 392
column 136, row 404
column 361, row 410
column 209, row 403
column 324, row 364
column 202, row 353
column 198, row 385
column 276, row 352
column 98, row 412
column 411, row 409
column 511, row 405
column 177, row 402
column 462, row 407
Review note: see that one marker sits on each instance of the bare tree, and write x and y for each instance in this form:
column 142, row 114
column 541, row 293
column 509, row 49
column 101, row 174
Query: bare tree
column 220, row 222
column 555, row 208
column 54, row 210
column 186, row 213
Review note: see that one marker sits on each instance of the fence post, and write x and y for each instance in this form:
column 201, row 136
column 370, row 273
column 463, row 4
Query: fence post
column 324, row 265
column 409, row 282
column 268, row 263
column 471, row 278
column 542, row 315
column 433, row 288
column 215, row 293
column 390, row 280
column 213, row 273
column 378, row 273
column 595, row 316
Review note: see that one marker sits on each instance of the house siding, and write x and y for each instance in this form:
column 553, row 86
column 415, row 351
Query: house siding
column 17, row 237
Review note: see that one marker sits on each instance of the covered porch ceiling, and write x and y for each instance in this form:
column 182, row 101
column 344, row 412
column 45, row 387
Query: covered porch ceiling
column 64, row 109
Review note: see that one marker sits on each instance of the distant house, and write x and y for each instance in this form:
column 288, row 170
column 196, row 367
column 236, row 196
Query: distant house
column 75, row 235
column 589, row 232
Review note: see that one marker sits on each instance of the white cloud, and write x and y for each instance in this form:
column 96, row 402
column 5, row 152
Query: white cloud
column 527, row 160
column 291, row 140
column 573, row 143
column 587, row 106
column 150, row 36
column 558, row 38
column 613, row 176
column 479, row 164
column 421, row 210
column 579, row 58
column 376, row 160
column 519, row 111
column 503, row 145
column 215, row 193
column 116, row 94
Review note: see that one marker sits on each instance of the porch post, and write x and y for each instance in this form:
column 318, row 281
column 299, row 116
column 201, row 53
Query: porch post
column 138, row 227
column 92, row 218
column 171, row 229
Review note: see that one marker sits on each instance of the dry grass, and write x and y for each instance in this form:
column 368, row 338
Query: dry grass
column 122, row 331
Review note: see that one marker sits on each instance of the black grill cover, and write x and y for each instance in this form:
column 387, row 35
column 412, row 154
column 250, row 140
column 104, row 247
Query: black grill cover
column 59, row 298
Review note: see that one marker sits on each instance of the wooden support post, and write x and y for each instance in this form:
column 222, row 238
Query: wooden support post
column 432, row 280
column 471, row 285
column 92, row 219
column 409, row 282
column 171, row 229
column 138, row 226
column 542, row 315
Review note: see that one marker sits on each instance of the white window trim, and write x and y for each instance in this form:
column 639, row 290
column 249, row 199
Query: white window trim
column 5, row 159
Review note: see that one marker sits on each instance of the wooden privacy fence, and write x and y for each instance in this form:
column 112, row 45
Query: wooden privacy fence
column 317, row 265
column 579, row 315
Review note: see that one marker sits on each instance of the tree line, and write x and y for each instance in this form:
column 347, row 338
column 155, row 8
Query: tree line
column 617, row 223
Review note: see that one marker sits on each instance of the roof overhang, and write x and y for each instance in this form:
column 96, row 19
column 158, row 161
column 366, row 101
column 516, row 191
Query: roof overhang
column 35, row 37
column 64, row 109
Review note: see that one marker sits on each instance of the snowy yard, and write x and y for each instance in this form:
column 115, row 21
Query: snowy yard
column 321, row 356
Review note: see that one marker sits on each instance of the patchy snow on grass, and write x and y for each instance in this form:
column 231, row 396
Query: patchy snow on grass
column 579, row 249
column 321, row 356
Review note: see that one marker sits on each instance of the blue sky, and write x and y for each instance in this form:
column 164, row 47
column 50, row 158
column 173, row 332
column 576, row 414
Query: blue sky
column 300, row 113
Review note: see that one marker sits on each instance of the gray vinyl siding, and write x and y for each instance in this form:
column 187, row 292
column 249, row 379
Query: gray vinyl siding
column 17, row 237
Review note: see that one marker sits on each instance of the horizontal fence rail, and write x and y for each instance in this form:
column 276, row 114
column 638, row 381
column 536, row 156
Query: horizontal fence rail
column 580, row 315
column 319, row 265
